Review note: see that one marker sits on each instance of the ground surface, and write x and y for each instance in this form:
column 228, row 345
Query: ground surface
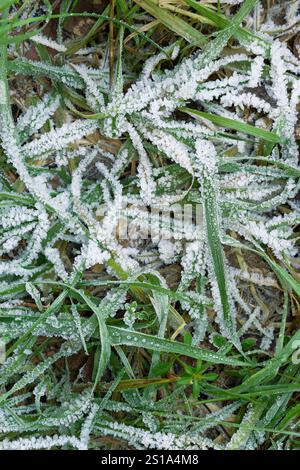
column 149, row 224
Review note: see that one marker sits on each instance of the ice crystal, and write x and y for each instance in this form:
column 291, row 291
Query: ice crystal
column 92, row 201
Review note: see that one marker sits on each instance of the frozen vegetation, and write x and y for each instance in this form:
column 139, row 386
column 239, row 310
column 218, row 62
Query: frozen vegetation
column 149, row 225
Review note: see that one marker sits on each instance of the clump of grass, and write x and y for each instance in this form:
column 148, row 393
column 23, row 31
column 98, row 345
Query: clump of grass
column 177, row 335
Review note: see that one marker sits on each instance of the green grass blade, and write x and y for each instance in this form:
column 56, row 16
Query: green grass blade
column 174, row 23
column 119, row 336
column 235, row 125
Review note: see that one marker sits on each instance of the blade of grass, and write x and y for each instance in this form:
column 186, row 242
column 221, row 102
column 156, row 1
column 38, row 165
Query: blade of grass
column 174, row 23
column 212, row 221
column 221, row 21
column 215, row 47
column 126, row 337
column 234, row 124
